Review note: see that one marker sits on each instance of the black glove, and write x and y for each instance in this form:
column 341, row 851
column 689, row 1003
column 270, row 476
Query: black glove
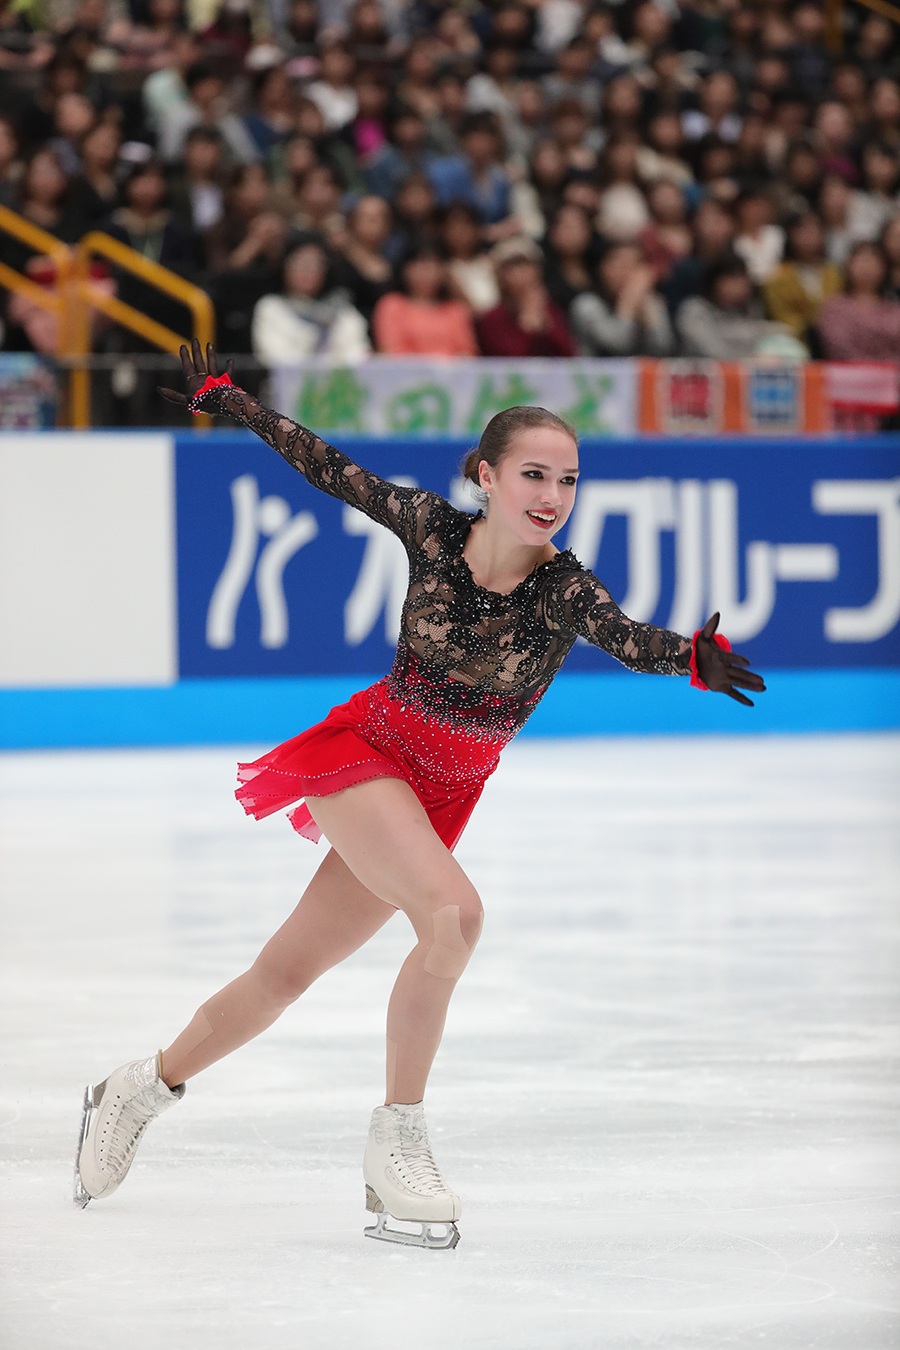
column 720, row 669
column 196, row 374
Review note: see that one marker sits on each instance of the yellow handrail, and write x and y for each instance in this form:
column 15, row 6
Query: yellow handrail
column 45, row 243
column 880, row 7
column 75, row 295
column 192, row 297
column 834, row 20
column 61, row 300
column 38, row 295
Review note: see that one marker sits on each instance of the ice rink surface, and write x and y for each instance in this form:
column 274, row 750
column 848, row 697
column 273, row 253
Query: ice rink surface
column 667, row 1091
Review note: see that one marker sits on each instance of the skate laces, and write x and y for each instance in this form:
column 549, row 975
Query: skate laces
column 415, row 1151
column 133, row 1119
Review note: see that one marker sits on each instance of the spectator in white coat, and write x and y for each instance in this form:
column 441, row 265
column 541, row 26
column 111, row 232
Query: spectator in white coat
column 306, row 320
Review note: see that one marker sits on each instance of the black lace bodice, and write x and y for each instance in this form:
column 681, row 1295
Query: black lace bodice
column 466, row 653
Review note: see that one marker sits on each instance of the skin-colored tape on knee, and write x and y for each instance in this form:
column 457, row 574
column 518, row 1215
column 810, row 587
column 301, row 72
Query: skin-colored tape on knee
column 449, row 956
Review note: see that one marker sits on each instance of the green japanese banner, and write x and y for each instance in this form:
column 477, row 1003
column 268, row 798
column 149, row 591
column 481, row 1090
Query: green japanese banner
column 387, row 396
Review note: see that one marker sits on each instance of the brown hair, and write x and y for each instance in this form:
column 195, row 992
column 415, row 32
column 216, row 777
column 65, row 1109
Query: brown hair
column 499, row 432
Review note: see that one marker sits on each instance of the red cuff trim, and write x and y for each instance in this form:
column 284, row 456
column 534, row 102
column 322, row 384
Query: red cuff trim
column 720, row 641
column 211, row 382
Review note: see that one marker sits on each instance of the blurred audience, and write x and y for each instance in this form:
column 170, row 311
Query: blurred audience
column 205, row 105
column 249, row 231
column 11, row 167
column 360, row 264
column 570, row 251
column 667, row 239
column 471, row 271
column 95, row 190
column 197, row 194
column 145, row 221
column 568, row 170
column 758, row 240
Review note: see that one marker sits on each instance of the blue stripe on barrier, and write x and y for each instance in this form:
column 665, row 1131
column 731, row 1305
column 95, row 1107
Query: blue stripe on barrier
column 205, row 712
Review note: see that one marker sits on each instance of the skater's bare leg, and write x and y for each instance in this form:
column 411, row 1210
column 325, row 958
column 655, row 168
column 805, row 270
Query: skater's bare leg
column 336, row 915
column 381, row 831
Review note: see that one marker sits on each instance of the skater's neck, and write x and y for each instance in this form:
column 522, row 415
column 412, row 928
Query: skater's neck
column 497, row 560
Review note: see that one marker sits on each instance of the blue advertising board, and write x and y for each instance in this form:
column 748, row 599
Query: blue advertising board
column 797, row 543
column 195, row 589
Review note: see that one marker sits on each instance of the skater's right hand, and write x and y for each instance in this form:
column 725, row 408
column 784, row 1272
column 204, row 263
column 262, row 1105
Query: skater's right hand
column 195, row 372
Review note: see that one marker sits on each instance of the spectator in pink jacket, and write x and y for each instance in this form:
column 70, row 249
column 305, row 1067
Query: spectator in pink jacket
column 420, row 319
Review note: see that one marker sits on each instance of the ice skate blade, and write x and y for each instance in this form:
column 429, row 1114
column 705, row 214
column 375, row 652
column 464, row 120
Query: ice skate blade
column 79, row 1195
column 426, row 1237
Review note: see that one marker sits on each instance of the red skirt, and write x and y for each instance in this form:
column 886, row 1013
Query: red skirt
column 373, row 736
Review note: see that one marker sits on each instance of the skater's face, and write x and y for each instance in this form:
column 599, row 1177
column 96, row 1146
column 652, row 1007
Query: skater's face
column 532, row 489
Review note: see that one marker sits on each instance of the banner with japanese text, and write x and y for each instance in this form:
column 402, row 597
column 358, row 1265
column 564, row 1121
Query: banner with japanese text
column 387, row 396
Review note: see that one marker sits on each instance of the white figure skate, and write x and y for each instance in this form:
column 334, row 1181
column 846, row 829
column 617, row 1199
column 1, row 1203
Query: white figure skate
column 115, row 1115
column 403, row 1182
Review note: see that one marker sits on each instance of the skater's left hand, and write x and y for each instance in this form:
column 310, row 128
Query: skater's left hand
column 721, row 670
column 195, row 371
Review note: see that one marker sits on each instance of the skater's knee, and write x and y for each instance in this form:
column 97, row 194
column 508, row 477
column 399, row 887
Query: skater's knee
column 471, row 920
column 455, row 930
column 281, row 982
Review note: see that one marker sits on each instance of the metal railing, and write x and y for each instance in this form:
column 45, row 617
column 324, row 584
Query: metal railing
column 75, row 296
column 124, row 387
column 60, row 301
column 93, row 297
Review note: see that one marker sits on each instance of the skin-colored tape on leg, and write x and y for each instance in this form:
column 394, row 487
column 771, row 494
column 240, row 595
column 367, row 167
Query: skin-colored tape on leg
column 449, row 956
column 392, row 1049
column 201, row 1027
column 195, row 1033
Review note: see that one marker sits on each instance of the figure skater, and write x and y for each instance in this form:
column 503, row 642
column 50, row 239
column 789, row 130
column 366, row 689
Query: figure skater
column 391, row 777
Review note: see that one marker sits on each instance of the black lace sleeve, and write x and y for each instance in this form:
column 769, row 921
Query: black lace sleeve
column 580, row 603
column 400, row 509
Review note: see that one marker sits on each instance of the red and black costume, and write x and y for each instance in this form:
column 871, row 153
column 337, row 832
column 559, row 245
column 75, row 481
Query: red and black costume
column 471, row 664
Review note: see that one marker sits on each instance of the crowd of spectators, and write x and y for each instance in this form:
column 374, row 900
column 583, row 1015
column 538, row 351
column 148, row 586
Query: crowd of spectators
column 711, row 178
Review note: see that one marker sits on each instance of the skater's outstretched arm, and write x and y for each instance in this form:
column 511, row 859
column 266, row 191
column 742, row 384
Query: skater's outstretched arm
column 581, row 604
column 400, row 509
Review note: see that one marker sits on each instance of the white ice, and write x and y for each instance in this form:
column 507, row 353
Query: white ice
column 666, row 1094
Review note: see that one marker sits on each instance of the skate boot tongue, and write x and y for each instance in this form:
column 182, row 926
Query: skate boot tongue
column 411, row 1118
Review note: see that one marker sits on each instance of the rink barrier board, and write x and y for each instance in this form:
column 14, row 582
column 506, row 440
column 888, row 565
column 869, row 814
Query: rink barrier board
column 163, row 589
column 216, row 712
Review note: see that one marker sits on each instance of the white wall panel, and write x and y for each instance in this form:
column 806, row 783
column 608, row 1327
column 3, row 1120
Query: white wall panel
column 87, row 560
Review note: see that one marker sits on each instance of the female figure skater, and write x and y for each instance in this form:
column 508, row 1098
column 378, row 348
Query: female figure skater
column 391, row 777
